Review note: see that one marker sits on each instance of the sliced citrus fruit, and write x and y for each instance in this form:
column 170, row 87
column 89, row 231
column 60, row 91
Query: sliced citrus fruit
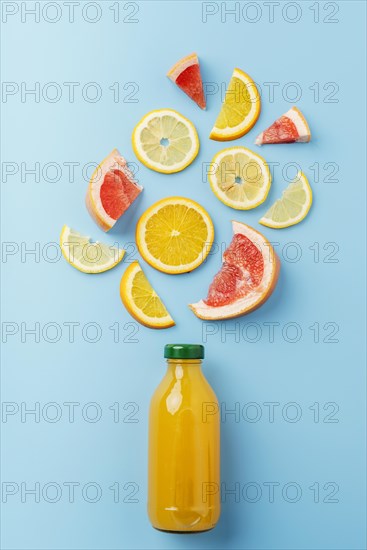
column 165, row 141
column 175, row 235
column 292, row 207
column 87, row 256
column 240, row 109
column 186, row 74
column 112, row 189
column 289, row 128
column 246, row 280
column 141, row 301
column 239, row 178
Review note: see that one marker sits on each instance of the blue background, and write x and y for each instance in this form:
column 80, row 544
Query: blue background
column 125, row 371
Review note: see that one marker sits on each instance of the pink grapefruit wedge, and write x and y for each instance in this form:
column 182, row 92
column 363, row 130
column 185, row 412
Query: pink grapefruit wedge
column 289, row 128
column 247, row 278
column 112, row 189
column 186, row 75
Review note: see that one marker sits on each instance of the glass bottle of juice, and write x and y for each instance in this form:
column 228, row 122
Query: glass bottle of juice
column 184, row 446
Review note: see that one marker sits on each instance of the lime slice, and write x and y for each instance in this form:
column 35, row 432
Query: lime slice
column 165, row 141
column 292, row 207
column 87, row 256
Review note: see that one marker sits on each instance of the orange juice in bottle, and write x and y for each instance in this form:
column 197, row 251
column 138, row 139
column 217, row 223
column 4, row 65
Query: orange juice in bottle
column 184, row 446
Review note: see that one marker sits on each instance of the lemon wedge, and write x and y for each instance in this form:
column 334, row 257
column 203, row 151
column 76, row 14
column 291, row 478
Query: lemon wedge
column 292, row 207
column 87, row 256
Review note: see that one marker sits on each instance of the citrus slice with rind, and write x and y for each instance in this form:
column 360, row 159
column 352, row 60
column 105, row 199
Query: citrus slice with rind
column 239, row 178
column 186, row 75
column 289, row 128
column 87, row 256
column 112, row 189
column 165, row 141
column 292, row 207
column 141, row 301
column 240, row 109
column 247, row 278
column 175, row 235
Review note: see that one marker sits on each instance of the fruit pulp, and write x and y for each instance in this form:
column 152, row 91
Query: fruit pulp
column 118, row 192
column 184, row 449
column 282, row 130
column 190, row 82
column 241, row 272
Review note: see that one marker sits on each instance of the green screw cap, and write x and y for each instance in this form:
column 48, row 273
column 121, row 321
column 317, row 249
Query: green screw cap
column 184, row 351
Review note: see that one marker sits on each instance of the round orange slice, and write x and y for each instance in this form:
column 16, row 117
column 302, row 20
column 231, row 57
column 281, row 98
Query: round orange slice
column 112, row 189
column 175, row 235
column 247, row 278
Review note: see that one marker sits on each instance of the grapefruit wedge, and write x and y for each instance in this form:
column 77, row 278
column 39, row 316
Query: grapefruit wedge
column 112, row 189
column 247, row 277
column 186, row 75
column 289, row 128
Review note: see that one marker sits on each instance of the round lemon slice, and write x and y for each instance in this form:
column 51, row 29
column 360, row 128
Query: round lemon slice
column 87, row 256
column 141, row 300
column 165, row 141
column 239, row 178
column 175, row 235
column 240, row 109
column 292, row 207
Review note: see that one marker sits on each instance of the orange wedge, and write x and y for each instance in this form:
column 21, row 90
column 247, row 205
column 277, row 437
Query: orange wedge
column 240, row 109
column 141, row 301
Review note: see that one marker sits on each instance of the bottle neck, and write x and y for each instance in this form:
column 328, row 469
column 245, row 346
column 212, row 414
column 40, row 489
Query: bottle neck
column 184, row 367
column 184, row 362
